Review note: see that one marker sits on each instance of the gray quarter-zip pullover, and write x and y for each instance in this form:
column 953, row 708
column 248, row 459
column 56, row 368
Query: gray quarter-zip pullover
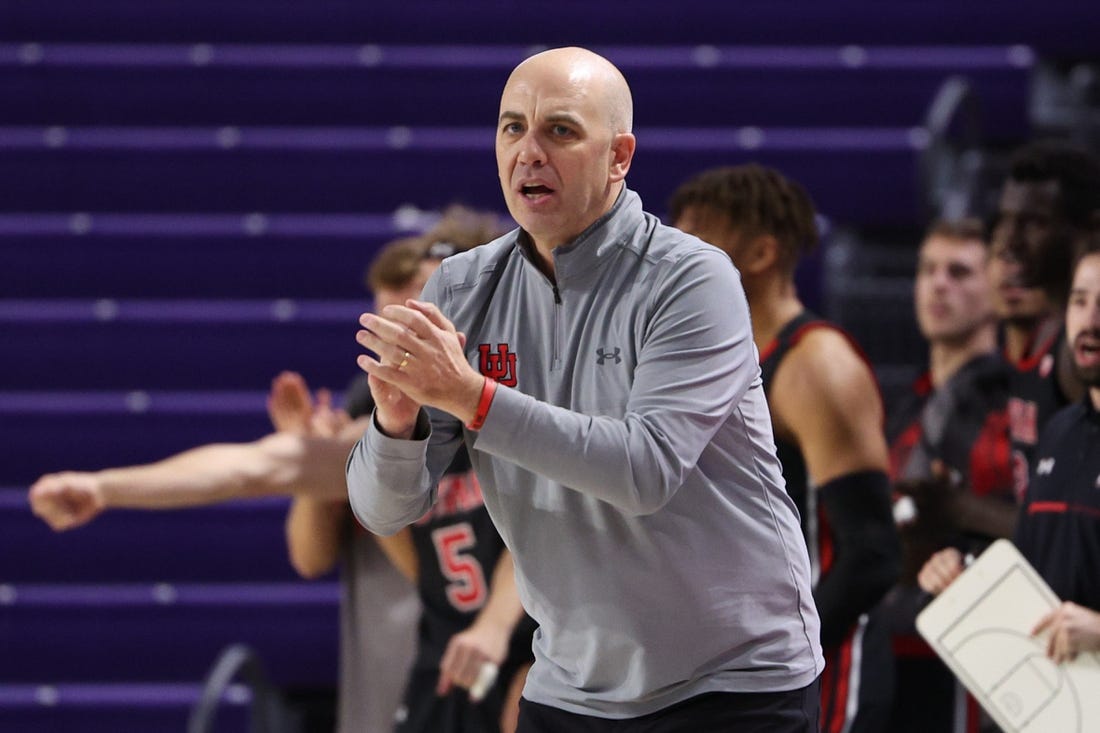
column 629, row 464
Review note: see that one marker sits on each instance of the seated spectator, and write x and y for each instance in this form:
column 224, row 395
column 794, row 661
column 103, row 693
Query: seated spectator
column 949, row 454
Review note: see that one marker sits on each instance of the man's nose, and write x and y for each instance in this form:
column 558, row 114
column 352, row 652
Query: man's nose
column 531, row 151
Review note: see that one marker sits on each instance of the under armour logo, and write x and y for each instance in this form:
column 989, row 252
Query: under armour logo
column 602, row 356
column 1045, row 467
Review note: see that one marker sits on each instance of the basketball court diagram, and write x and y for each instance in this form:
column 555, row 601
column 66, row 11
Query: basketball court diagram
column 980, row 626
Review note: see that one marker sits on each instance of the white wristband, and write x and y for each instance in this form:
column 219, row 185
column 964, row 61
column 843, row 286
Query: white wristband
column 486, row 676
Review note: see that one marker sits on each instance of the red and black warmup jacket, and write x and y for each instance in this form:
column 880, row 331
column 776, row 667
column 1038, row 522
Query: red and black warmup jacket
column 1059, row 528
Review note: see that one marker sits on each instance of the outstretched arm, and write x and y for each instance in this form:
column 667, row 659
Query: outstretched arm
column 281, row 463
column 825, row 397
column 486, row 640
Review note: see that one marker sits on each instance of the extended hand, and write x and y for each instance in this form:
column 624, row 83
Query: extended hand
column 290, row 405
column 940, row 571
column 292, row 409
column 66, row 500
column 471, row 654
column 1072, row 629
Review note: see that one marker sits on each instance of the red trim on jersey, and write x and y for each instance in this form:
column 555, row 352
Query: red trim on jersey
column 902, row 448
column 837, row 719
column 922, row 385
column 1030, row 360
column 1090, row 510
column 806, row 328
column 825, row 553
column 1061, row 507
column 769, row 350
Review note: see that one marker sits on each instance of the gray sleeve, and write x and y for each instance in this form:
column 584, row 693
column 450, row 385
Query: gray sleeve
column 696, row 363
column 392, row 482
column 389, row 486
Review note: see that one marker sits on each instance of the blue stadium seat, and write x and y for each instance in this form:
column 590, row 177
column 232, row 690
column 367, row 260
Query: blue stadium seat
column 236, row 541
column 254, row 255
column 52, row 431
column 326, row 169
column 109, row 344
column 166, row 631
column 1055, row 26
column 114, row 707
column 373, row 85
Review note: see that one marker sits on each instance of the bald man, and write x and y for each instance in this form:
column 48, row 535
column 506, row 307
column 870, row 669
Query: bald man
column 601, row 368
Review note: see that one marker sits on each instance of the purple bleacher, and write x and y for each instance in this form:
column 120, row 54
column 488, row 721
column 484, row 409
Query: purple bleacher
column 254, row 255
column 131, row 632
column 202, row 84
column 207, row 344
column 239, row 541
column 344, row 169
column 52, row 431
column 1057, row 26
column 110, row 708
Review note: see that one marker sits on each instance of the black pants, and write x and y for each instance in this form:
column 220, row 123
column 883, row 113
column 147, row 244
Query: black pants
column 714, row 712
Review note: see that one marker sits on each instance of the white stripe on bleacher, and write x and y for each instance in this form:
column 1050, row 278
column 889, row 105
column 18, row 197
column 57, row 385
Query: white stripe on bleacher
column 445, row 139
column 60, row 310
column 303, row 593
column 504, row 57
column 178, row 402
column 130, row 695
column 403, row 221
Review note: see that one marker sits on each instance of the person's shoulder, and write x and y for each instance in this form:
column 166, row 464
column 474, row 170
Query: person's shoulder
column 825, row 364
column 661, row 242
column 472, row 263
column 822, row 345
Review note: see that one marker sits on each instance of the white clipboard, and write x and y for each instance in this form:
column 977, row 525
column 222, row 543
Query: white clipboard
column 980, row 626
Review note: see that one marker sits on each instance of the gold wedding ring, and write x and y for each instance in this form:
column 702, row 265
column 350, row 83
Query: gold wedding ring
column 404, row 361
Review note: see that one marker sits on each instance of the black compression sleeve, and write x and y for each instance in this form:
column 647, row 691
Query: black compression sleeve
column 866, row 556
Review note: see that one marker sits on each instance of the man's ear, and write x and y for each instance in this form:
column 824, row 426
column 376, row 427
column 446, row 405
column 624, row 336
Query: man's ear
column 622, row 152
column 761, row 253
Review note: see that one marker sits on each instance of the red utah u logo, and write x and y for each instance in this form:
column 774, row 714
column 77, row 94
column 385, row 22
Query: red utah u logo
column 500, row 366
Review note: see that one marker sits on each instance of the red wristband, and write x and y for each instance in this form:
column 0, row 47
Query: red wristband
column 487, row 391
